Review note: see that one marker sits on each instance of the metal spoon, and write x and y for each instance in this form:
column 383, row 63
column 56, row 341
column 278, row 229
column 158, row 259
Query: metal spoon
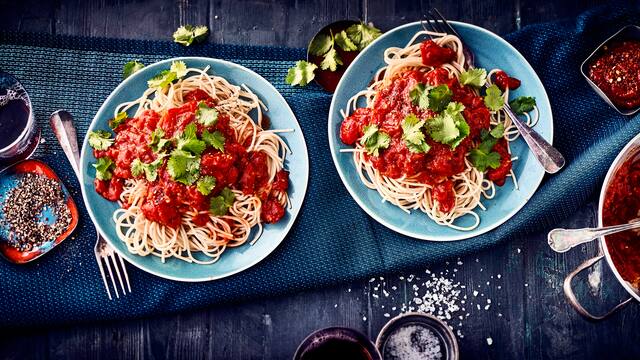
column 561, row 240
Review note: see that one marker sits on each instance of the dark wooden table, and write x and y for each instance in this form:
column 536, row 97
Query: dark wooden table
column 528, row 317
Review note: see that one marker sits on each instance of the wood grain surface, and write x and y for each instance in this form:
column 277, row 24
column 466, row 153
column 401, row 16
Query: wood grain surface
column 528, row 317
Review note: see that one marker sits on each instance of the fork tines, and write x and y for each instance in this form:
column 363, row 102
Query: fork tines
column 118, row 268
column 437, row 23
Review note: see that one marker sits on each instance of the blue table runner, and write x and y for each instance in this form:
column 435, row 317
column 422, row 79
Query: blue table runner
column 333, row 240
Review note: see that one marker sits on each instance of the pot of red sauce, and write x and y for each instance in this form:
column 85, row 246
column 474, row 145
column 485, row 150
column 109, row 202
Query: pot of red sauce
column 619, row 204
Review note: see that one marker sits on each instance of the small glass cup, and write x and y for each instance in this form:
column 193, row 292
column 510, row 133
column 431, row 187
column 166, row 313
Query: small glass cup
column 19, row 134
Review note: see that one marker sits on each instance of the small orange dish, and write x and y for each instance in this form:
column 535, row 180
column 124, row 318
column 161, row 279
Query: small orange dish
column 36, row 211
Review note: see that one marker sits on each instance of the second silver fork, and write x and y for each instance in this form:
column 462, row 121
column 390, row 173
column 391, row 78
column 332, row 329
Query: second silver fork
column 548, row 156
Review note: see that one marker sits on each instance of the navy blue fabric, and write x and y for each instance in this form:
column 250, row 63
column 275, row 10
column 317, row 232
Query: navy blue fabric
column 332, row 240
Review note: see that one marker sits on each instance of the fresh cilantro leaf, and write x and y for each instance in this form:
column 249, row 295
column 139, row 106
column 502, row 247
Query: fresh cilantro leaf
column 183, row 166
column 100, row 140
column 474, row 77
column 412, row 134
column 150, row 170
column 137, row 167
column 215, row 139
column 103, row 167
column 188, row 140
column 320, row 44
column 157, row 142
column 423, row 147
column 205, row 115
column 374, row 140
column 439, row 97
column 464, row 129
column 301, row 74
column 420, row 95
column 189, row 34
column 163, row 79
column 206, row 184
column 362, row 34
column 522, row 104
column 179, row 68
column 449, row 127
column 498, row 131
column 119, row 119
column 131, row 67
column 482, row 160
column 331, row 60
column 493, row 98
column 220, row 204
column 342, row 40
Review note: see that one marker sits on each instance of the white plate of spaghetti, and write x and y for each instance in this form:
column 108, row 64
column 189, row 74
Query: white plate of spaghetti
column 424, row 146
column 194, row 169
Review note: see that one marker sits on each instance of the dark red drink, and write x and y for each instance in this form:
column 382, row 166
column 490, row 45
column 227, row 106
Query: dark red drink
column 19, row 136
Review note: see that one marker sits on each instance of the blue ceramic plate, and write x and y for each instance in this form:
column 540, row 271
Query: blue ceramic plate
column 233, row 260
column 491, row 51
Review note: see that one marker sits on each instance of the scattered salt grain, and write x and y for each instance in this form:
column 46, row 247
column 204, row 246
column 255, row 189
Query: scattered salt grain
column 489, row 341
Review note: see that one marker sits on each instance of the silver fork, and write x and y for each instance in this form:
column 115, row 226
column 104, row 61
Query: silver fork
column 62, row 124
column 548, row 156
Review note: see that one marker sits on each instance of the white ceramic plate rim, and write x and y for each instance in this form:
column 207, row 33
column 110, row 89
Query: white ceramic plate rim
column 128, row 256
column 381, row 220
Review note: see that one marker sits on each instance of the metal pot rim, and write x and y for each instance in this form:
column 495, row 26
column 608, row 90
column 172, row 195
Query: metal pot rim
column 632, row 148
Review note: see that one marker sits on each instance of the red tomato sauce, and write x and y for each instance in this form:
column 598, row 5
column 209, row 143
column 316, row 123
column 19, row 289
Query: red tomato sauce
column 621, row 205
column 167, row 199
column 616, row 71
column 440, row 163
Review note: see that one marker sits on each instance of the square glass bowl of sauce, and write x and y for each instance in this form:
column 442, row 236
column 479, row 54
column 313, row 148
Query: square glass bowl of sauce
column 613, row 70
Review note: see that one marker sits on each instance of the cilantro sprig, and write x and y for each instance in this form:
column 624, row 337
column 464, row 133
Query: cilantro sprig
column 474, row 77
column 420, row 95
column 522, row 104
column 219, row 205
column 100, row 140
column 131, row 67
column 149, row 170
column 205, row 115
column 373, row 139
column 157, row 142
column 301, row 74
column 215, row 139
column 184, row 162
column 483, row 157
column 435, row 98
column 449, row 127
column 177, row 71
column 189, row 34
column 120, row 118
column 104, row 167
column 363, row 34
column 412, row 134
column 493, row 98
column 206, row 184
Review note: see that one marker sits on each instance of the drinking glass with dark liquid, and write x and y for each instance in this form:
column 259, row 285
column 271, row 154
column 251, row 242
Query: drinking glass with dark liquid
column 19, row 135
column 337, row 343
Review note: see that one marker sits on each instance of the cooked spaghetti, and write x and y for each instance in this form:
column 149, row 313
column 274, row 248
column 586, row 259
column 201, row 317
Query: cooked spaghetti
column 195, row 169
column 433, row 135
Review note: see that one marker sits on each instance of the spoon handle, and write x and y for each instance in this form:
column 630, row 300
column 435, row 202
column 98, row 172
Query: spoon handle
column 561, row 240
column 62, row 124
column 548, row 156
